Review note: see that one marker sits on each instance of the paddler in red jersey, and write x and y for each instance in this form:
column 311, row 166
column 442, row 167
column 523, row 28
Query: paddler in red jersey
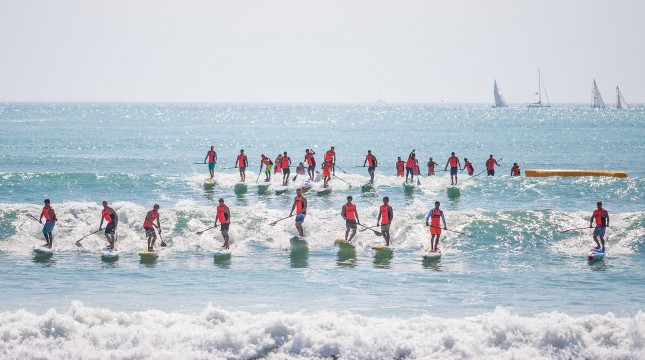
column 330, row 155
column 372, row 163
column 431, row 165
column 50, row 221
column 454, row 163
column 409, row 166
column 515, row 170
column 601, row 217
column 242, row 162
column 400, row 167
column 468, row 166
column 490, row 165
column 311, row 163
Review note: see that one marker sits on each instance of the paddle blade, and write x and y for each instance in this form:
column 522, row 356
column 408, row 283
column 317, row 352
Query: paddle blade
column 377, row 233
column 163, row 244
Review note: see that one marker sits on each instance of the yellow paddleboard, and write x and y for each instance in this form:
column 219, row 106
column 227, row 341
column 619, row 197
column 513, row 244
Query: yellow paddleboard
column 380, row 247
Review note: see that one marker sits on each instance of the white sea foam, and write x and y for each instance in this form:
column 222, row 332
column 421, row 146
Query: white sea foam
column 93, row 333
column 251, row 224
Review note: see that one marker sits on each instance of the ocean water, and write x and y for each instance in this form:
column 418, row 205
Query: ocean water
column 518, row 288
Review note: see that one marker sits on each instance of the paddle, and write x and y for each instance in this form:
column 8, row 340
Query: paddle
column 339, row 168
column 580, row 228
column 375, row 232
column 203, row 231
column 78, row 242
column 455, row 231
column 201, row 163
column 275, row 222
column 34, row 218
column 163, row 244
column 294, row 178
column 334, row 175
column 260, row 173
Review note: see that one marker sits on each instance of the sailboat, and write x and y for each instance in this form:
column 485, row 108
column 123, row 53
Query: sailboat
column 620, row 100
column 541, row 86
column 499, row 99
column 596, row 98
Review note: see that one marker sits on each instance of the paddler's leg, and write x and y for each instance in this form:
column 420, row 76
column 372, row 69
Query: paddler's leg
column 353, row 231
column 224, row 229
column 300, row 218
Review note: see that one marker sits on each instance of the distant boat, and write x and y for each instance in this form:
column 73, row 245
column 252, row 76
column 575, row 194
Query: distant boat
column 499, row 99
column 541, row 87
column 620, row 100
column 596, row 98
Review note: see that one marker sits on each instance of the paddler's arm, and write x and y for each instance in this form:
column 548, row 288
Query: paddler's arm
column 358, row 221
column 365, row 162
column 390, row 214
column 444, row 221
column 428, row 218
column 343, row 213
column 304, row 205
column 292, row 207
column 227, row 215
column 378, row 220
column 607, row 217
column 158, row 224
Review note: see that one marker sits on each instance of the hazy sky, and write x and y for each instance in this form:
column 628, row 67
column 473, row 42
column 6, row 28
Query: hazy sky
column 320, row 51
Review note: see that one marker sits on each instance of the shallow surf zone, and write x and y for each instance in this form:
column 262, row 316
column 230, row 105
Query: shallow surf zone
column 92, row 333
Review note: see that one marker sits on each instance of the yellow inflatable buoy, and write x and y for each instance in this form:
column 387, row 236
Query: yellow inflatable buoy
column 545, row 173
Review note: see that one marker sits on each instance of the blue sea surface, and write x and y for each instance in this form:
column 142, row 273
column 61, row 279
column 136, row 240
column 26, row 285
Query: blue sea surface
column 510, row 273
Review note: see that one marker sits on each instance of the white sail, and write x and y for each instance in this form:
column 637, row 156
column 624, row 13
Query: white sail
column 596, row 98
column 541, row 87
column 620, row 100
column 499, row 99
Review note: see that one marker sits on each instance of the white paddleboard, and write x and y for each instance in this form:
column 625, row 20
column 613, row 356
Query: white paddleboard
column 222, row 252
column 341, row 243
column 381, row 247
column 42, row 250
column 432, row 255
column 367, row 186
column 148, row 254
column 595, row 254
column 324, row 191
column 281, row 190
column 409, row 185
column 240, row 187
column 306, row 185
column 110, row 253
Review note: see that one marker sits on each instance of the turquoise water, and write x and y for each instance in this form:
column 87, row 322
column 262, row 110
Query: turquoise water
column 518, row 288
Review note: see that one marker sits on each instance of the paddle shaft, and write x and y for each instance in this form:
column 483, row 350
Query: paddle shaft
column 163, row 244
column 334, row 175
column 275, row 222
column 339, row 168
column 210, row 228
column 92, row 233
column 580, row 228
column 455, row 231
